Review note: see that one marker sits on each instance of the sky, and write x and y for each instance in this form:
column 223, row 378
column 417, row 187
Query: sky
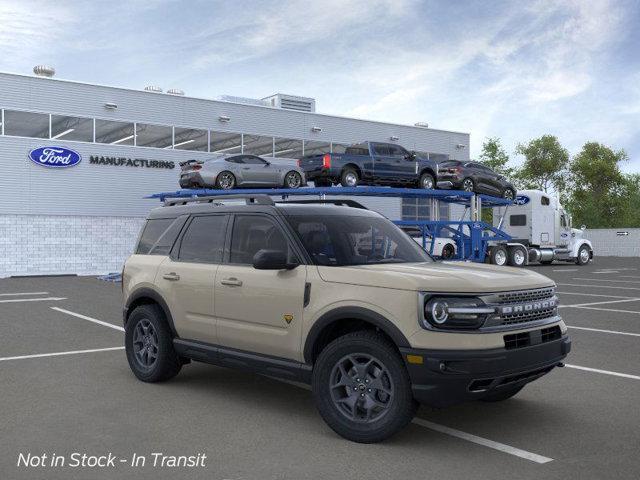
column 514, row 69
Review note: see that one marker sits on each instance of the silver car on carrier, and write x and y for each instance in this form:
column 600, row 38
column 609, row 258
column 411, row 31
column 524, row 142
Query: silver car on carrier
column 240, row 170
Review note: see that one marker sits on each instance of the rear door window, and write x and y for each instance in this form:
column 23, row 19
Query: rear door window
column 203, row 241
column 381, row 150
column 151, row 233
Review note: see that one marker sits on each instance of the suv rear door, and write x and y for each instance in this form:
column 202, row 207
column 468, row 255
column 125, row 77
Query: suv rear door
column 186, row 278
column 259, row 310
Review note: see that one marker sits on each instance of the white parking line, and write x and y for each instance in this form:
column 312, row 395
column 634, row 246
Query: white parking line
column 43, row 299
column 610, row 310
column 597, row 303
column 534, row 457
column 565, row 270
column 606, row 372
column 596, row 286
column 89, row 319
column 22, row 293
column 605, row 280
column 599, row 330
column 57, row 354
column 605, row 272
column 592, row 294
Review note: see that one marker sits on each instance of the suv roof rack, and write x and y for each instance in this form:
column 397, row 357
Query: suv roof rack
column 260, row 199
column 339, row 202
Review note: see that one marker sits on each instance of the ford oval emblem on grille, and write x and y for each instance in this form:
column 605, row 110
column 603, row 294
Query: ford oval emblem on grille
column 55, row 157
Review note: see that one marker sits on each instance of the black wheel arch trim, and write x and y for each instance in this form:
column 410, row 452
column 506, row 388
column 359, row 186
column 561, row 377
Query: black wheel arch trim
column 352, row 313
column 153, row 295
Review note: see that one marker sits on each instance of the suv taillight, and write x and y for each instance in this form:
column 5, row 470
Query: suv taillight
column 299, row 162
column 326, row 160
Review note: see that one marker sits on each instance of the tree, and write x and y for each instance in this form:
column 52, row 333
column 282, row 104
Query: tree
column 545, row 164
column 495, row 157
column 599, row 193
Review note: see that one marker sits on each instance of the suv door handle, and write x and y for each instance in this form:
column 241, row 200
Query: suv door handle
column 173, row 276
column 231, row 282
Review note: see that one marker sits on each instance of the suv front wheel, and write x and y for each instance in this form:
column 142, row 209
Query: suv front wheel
column 149, row 345
column 362, row 389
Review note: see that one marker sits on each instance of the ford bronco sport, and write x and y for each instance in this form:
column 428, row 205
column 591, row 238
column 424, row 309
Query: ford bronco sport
column 337, row 297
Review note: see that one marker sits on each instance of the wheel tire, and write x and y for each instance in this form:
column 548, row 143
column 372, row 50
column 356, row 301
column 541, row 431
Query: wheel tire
column 501, row 395
column 517, row 257
column 427, row 182
column 468, row 185
column 349, row 178
column 225, row 180
column 396, row 413
column 448, row 251
column 322, row 182
column 499, row 256
column 167, row 364
column 292, row 180
column 509, row 194
column 584, row 255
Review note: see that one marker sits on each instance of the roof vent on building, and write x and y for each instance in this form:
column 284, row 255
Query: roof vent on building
column 292, row 102
column 175, row 91
column 422, row 124
column 153, row 88
column 44, row 71
column 243, row 100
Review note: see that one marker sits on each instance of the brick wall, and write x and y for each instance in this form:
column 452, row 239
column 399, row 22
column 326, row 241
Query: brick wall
column 49, row 244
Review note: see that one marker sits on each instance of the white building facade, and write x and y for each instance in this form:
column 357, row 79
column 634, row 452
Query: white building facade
column 84, row 219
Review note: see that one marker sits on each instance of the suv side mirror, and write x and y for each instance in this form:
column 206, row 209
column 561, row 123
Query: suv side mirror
column 272, row 260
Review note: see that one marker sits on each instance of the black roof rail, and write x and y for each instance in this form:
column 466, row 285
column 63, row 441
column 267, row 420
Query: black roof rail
column 260, row 199
column 337, row 201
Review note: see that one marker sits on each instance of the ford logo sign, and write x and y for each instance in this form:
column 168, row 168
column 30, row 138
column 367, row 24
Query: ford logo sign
column 521, row 200
column 55, row 157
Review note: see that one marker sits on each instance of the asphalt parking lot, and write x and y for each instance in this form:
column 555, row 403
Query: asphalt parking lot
column 66, row 387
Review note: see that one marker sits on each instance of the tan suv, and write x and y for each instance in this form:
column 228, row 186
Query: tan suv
column 337, row 297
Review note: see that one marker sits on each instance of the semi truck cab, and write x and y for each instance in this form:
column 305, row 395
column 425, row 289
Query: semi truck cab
column 538, row 222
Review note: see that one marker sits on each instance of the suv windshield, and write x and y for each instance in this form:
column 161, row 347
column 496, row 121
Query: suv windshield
column 336, row 240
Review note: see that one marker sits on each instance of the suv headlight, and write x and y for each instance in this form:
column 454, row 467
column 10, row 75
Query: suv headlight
column 454, row 313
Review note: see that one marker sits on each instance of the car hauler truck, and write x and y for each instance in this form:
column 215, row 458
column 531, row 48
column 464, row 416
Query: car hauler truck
column 540, row 231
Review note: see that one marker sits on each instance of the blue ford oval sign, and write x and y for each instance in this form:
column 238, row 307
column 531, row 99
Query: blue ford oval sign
column 521, row 200
column 56, row 157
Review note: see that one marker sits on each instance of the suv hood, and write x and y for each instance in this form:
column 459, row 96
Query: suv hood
column 458, row 277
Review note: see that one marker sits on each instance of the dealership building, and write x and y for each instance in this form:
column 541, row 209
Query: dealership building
column 84, row 218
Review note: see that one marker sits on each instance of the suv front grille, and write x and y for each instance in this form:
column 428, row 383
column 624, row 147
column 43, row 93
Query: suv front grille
column 525, row 296
column 522, row 306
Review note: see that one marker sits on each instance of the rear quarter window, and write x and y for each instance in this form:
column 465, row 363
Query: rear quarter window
column 159, row 235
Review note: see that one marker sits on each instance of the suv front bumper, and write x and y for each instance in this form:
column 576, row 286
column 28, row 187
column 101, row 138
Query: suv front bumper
column 447, row 377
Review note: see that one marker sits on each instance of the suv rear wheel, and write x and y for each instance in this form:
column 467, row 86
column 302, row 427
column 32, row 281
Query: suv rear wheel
column 349, row 177
column 149, row 345
column 362, row 389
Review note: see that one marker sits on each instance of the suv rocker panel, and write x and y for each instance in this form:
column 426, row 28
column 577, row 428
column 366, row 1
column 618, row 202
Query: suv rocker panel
column 243, row 360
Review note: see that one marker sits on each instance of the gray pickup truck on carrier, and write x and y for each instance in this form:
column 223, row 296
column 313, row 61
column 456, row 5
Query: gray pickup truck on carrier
column 371, row 163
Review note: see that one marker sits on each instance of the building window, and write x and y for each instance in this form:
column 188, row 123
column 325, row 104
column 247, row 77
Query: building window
column 190, row 139
column 71, row 128
column 287, row 148
column 224, row 142
column 258, row 145
column 419, row 209
column 114, row 133
column 316, row 148
column 26, row 124
column 157, row 136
